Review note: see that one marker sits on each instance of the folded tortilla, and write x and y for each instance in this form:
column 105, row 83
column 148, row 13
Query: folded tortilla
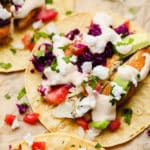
column 60, row 141
column 19, row 59
column 139, row 103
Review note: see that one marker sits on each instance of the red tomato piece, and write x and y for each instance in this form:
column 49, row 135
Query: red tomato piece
column 9, row 119
column 79, row 51
column 83, row 123
column 57, row 95
column 31, row 118
column 27, row 41
column 114, row 125
column 46, row 15
column 127, row 24
column 98, row 87
column 39, row 146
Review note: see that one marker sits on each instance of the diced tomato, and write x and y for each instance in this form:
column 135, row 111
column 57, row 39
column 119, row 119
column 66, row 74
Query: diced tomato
column 9, row 119
column 27, row 41
column 46, row 14
column 39, row 146
column 31, row 118
column 114, row 125
column 68, row 52
column 127, row 24
column 98, row 87
column 79, row 51
column 57, row 95
column 83, row 123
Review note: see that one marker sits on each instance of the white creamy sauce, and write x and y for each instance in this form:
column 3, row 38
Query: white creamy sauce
column 28, row 138
column 101, row 72
column 103, row 19
column 37, row 25
column 27, row 7
column 104, row 109
column 86, row 67
column 146, row 68
column 51, row 28
column 117, row 91
column 128, row 73
column 73, row 59
column 15, row 124
column 4, row 14
column 18, row 2
column 124, row 49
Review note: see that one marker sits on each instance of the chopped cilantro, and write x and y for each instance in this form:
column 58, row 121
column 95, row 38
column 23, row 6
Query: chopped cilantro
column 64, row 47
column 67, row 59
column 62, row 34
column 21, row 93
column 68, row 12
column 49, row 1
column 138, row 76
column 41, row 53
column 51, row 35
column 132, row 10
column 112, row 101
column 54, row 65
column 125, row 41
column 98, row 145
column 13, row 50
column 93, row 80
column 7, row 96
column 38, row 35
column 127, row 114
column 5, row 65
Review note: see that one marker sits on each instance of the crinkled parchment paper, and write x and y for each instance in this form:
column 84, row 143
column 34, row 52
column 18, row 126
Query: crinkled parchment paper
column 11, row 83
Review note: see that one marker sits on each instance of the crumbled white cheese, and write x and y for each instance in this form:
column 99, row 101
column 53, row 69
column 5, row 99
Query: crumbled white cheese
column 81, row 132
column 18, row 2
column 92, row 133
column 86, row 67
column 128, row 73
column 124, row 49
column 117, row 91
column 101, row 72
column 37, row 25
column 73, row 59
column 15, row 124
column 18, row 45
column 51, row 28
column 28, row 138
column 103, row 19
column 4, row 14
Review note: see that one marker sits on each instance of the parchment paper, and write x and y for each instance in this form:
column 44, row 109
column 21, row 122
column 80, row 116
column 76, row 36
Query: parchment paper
column 12, row 83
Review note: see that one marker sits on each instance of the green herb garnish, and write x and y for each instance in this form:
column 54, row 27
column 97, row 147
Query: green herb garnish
column 39, row 35
column 13, row 50
column 41, row 53
column 49, row 1
column 62, row 34
column 67, row 59
column 51, row 35
column 7, row 96
column 54, row 65
column 64, row 47
column 125, row 41
column 93, row 80
column 112, row 101
column 5, row 65
column 68, row 12
column 138, row 76
column 21, row 93
column 98, row 145
column 127, row 114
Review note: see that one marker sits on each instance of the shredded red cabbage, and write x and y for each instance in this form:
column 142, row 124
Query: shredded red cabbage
column 96, row 59
column 41, row 62
column 122, row 29
column 148, row 132
column 42, row 90
column 22, row 108
column 71, row 35
column 94, row 29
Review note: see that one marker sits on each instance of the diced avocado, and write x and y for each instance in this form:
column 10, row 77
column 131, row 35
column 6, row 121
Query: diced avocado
column 121, row 82
column 100, row 124
column 137, row 40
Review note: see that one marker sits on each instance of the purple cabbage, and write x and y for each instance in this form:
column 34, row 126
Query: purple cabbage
column 42, row 90
column 94, row 29
column 122, row 29
column 96, row 59
column 22, row 108
column 41, row 62
column 71, row 35
column 148, row 132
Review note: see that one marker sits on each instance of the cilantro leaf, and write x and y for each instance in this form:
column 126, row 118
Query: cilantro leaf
column 127, row 114
column 13, row 50
column 7, row 96
column 125, row 41
column 68, row 12
column 5, row 65
column 49, row 1
column 98, row 145
column 93, row 80
column 41, row 53
column 54, row 65
column 67, row 59
column 21, row 93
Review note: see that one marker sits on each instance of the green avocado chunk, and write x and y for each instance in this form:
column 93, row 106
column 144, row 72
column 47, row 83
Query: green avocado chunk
column 137, row 40
column 121, row 82
column 100, row 124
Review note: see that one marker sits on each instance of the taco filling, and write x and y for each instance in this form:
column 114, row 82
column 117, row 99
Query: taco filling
column 85, row 76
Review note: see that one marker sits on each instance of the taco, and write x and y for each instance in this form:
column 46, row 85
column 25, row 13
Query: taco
column 73, row 81
column 17, row 28
column 57, row 141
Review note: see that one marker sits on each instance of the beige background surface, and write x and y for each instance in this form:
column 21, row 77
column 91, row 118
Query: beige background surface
column 12, row 83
